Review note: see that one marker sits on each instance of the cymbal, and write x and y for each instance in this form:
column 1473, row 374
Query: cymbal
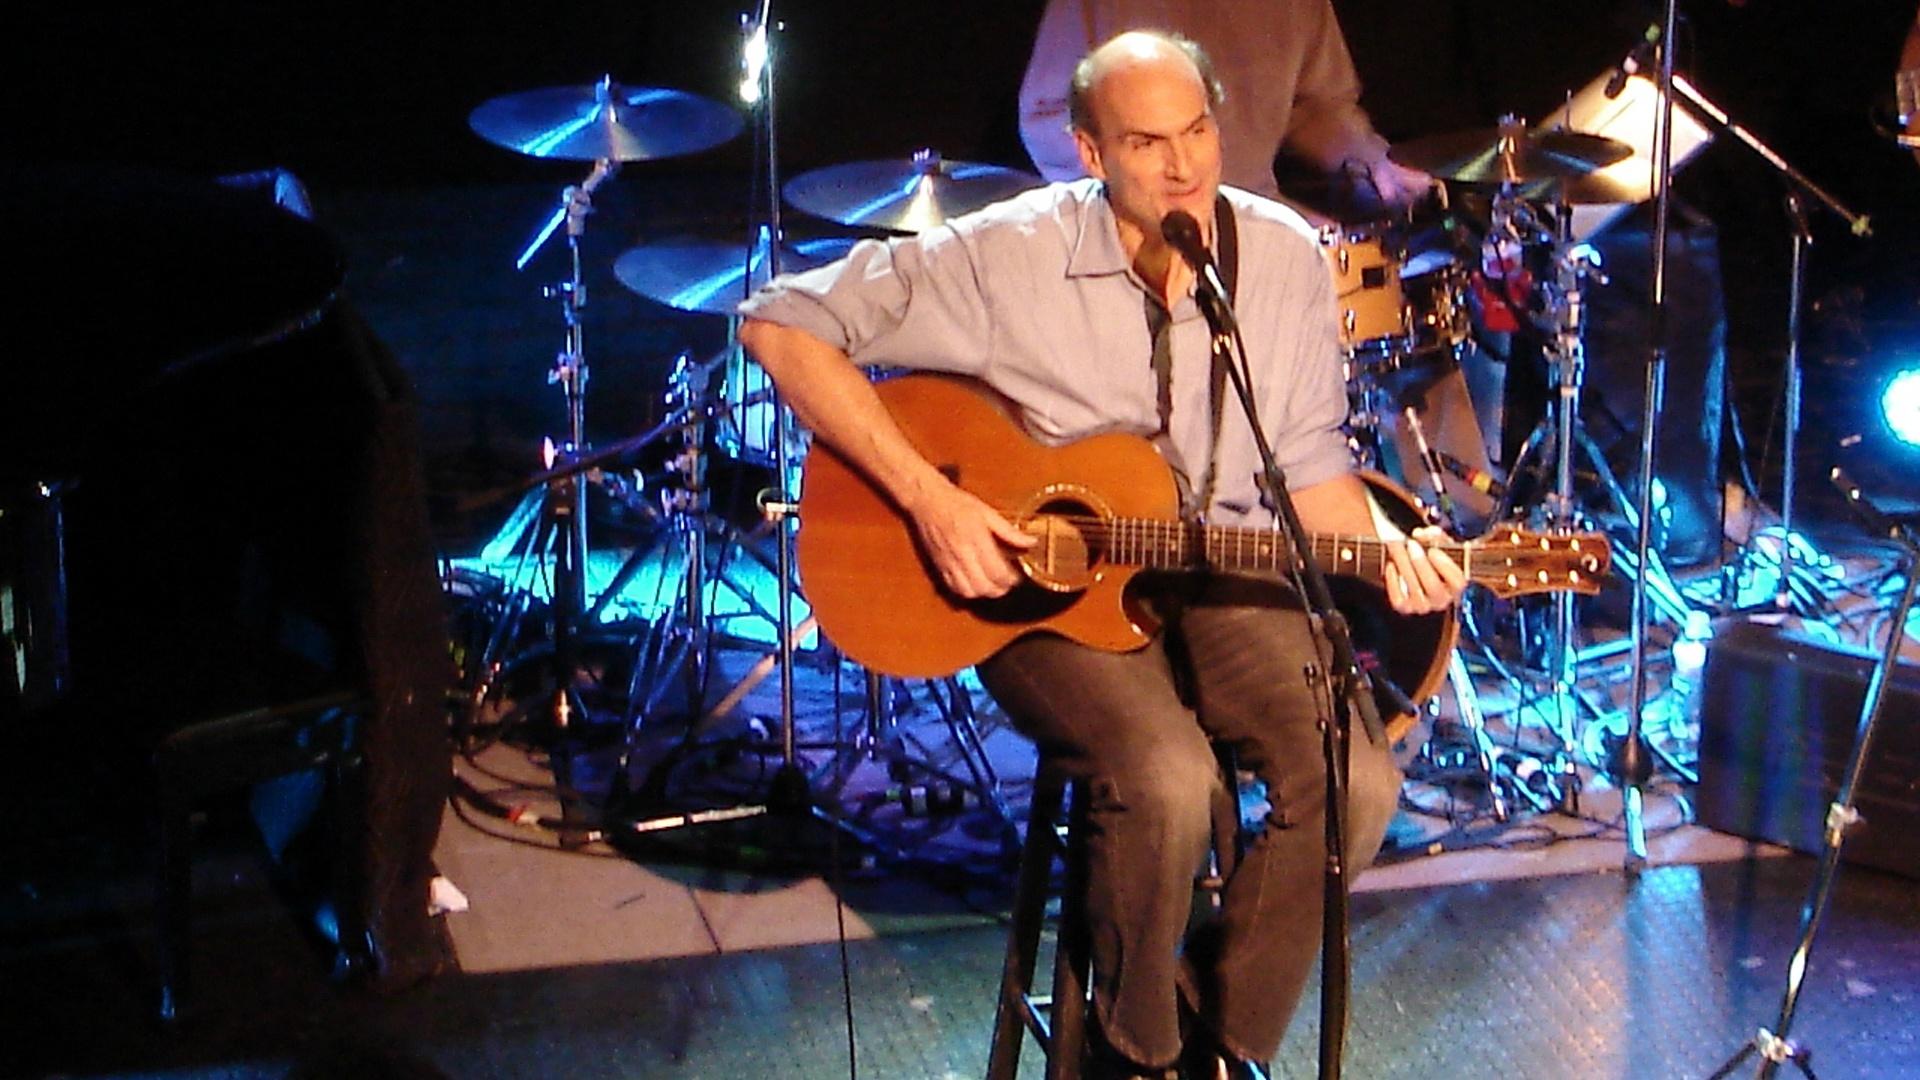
column 707, row 276
column 1510, row 155
column 906, row 195
column 605, row 121
column 1630, row 183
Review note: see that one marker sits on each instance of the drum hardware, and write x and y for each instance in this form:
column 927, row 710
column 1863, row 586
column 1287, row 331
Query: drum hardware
column 606, row 121
column 605, row 124
column 790, row 796
column 1509, row 155
column 1383, row 337
column 712, row 278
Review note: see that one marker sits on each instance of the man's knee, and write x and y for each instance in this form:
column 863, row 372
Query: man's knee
column 1172, row 788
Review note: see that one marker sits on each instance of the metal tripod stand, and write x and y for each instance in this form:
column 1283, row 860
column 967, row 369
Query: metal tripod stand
column 1773, row 1046
column 1560, row 442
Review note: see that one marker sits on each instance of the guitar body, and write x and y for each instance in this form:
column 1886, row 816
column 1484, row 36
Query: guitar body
column 878, row 599
column 875, row 592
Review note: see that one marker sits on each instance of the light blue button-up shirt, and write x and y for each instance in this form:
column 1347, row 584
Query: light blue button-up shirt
column 1034, row 296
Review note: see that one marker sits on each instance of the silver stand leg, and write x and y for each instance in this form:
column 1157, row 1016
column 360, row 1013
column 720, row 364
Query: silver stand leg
column 1475, row 722
column 1773, row 1046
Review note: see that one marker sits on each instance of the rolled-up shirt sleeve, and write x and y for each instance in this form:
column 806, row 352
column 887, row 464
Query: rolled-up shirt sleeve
column 1308, row 437
column 915, row 302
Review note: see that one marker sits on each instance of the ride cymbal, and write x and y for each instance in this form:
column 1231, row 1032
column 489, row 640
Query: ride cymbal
column 604, row 121
column 904, row 195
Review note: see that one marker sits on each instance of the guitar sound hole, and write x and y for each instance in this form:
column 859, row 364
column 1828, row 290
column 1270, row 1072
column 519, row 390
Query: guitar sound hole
column 1073, row 543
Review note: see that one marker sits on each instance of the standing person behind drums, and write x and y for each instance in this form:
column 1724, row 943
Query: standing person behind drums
column 1061, row 299
column 1288, row 82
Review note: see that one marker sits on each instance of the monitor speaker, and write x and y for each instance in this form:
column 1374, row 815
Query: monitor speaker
column 1778, row 719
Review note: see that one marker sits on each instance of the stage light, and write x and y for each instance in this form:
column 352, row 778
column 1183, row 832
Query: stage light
column 1900, row 406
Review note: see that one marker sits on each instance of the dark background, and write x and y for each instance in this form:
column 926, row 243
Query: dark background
column 369, row 105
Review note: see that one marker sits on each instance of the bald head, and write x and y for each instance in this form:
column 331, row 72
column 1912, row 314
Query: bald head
column 1143, row 124
column 1130, row 55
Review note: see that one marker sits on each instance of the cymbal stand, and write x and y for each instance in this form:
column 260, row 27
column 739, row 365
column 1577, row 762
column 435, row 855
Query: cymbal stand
column 1802, row 239
column 679, row 639
column 1368, row 405
column 1774, row 1046
column 1573, row 265
column 566, row 498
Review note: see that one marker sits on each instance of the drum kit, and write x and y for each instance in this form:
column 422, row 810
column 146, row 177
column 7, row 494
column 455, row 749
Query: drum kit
column 1426, row 304
column 726, row 405
column 1420, row 299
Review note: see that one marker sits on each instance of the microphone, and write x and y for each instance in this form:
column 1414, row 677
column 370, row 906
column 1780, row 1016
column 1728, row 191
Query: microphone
column 1638, row 57
column 1182, row 233
column 1863, row 507
column 1478, row 479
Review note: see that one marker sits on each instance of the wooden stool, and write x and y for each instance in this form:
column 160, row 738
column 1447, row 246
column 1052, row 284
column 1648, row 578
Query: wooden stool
column 1061, row 1032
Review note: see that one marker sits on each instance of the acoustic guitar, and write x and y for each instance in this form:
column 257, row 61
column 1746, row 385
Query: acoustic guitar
column 1105, row 509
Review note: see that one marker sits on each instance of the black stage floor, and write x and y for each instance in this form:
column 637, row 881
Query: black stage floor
column 1587, row 976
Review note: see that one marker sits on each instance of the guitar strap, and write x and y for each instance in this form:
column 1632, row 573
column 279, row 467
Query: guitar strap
column 1160, row 327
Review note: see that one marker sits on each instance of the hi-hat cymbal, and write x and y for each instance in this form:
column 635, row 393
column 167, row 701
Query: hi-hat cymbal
column 604, row 121
column 905, row 195
column 1510, row 154
column 707, row 276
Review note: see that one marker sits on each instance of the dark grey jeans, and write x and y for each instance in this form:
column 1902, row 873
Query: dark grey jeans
column 1117, row 722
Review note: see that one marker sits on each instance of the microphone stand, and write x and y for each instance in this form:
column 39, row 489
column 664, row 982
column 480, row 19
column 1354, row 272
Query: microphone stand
column 1773, row 1046
column 1632, row 765
column 1349, row 688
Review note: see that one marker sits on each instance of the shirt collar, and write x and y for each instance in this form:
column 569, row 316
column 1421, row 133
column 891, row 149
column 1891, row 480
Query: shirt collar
column 1096, row 250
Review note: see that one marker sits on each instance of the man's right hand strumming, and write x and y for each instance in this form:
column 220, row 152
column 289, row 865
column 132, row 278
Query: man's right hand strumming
column 971, row 544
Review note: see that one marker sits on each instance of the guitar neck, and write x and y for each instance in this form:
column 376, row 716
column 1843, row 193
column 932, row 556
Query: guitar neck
column 1177, row 545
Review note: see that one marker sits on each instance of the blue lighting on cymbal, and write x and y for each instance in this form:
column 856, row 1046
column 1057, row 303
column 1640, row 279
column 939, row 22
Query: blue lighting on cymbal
column 1900, row 406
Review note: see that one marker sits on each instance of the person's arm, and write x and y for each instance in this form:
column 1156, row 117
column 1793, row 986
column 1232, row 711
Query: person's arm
column 966, row 539
column 1329, row 130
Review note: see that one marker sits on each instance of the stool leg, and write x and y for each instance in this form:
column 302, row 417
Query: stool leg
column 1023, row 936
column 1072, row 959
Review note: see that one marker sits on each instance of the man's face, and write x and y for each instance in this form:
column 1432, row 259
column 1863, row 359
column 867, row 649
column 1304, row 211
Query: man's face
column 1158, row 148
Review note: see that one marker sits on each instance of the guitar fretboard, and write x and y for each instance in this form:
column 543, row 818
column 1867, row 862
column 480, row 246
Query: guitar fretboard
column 1179, row 545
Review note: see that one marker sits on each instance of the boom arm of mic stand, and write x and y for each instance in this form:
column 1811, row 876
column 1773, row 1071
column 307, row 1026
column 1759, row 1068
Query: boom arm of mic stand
column 1718, row 117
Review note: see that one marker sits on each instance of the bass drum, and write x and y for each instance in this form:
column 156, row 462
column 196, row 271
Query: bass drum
column 1406, row 655
column 744, row 427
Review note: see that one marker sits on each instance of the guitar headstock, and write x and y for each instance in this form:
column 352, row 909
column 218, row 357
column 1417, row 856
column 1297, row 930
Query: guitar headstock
column 1517, row 562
